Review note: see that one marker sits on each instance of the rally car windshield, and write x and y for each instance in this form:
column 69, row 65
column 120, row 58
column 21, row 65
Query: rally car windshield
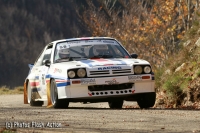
column 78, row 50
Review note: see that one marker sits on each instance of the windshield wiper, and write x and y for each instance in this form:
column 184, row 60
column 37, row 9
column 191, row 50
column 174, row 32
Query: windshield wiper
column 103, row 56
column 77, row 58
column 119, row 56
column 70, row 59
column 62, row 60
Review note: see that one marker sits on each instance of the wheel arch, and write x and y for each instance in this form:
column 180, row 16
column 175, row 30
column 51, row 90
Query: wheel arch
column 49, row 102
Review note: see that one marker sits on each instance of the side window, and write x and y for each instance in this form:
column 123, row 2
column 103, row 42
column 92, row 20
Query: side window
column 46, row 54
column 39, row 60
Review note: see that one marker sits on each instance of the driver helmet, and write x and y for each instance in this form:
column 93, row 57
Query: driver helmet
column 63, row 53
column 100, row 49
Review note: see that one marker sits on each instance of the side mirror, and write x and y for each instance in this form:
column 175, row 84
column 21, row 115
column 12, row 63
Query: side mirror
column 134, row 55
column 46, row 62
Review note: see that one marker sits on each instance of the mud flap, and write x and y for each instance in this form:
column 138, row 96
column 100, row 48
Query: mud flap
column 25, row 94
column 49, row 103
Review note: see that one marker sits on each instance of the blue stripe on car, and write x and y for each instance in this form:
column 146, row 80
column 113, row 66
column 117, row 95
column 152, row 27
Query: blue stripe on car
column 56, row 77
column 121, row 61
column 88, row 62
column 48, row 76
column 63, row 84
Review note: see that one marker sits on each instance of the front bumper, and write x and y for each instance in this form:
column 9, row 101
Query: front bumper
column 112, row 80
column 108, row 86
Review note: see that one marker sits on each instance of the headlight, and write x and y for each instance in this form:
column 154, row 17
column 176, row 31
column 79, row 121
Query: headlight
column 81, row 73
column 147, row 69
column 71, row 74
column 137, row 69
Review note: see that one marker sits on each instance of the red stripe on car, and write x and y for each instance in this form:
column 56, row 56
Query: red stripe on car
column 34, row 83
column 101, row 60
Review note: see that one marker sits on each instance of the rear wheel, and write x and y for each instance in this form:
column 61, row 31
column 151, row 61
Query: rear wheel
column 32, row 96
column 116, row 104
column 146, row 100
column 57, row 103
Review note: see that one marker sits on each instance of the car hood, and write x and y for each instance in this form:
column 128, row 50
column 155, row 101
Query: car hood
column 91, row 63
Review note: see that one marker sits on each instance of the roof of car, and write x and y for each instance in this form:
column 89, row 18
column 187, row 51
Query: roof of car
column 82, row 38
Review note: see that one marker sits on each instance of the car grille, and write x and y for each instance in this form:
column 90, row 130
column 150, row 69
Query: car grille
column 121, row 71
column 92, row 73
column 112, row 72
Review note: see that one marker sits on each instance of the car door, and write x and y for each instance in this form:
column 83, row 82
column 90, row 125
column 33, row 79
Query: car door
column 35, row 73
column 40, row 70
column 43, row 71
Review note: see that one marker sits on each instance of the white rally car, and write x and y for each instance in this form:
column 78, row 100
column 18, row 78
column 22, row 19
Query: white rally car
column 93, row 69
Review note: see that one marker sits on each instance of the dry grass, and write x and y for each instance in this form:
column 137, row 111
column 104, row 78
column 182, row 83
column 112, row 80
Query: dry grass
column 4, row 90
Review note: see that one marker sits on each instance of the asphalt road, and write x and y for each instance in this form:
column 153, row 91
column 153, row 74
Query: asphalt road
column 94, row 118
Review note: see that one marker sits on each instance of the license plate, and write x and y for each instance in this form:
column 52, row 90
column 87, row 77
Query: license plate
column 134, row 77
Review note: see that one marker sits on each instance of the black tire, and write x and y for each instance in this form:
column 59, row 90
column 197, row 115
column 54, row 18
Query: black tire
column 146, row 100
column 57, row 103
column 32, row 95
column 36, row 103
column 116, row 104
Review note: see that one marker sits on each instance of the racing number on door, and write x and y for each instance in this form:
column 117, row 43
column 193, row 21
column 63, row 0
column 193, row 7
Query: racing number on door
column 43, row 79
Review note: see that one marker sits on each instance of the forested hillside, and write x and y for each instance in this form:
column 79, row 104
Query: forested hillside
column 151, row 28
column 26, row 26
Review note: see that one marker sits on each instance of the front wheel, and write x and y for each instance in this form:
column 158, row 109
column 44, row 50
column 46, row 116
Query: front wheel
column 146, row 100
column 57, row 103
column 116, row 104
column 32, row 95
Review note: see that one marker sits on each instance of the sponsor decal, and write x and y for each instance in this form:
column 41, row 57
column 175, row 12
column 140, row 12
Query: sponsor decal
column 134, row 77
column 111, row 82
column 89, row 94
column 108, row 41
column 56, row 70
column 63, row 47
column 88, row 81
column 133, row 91
column 109, row 67
column 43, row 79
column 86, row 41
column 73, row 42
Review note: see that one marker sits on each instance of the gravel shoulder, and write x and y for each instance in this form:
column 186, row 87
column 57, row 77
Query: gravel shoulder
column 93, row 118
